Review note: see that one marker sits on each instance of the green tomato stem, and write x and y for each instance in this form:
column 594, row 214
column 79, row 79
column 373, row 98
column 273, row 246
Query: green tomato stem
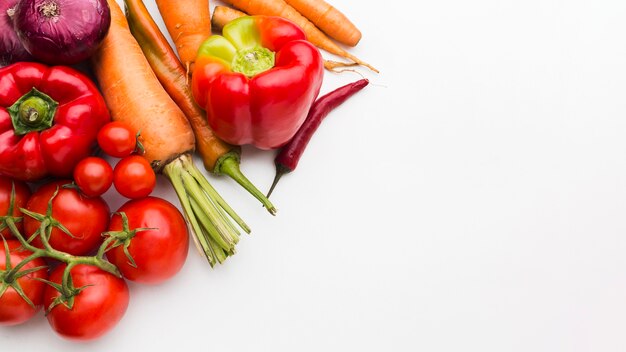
column 52, row 253
column 11, row 274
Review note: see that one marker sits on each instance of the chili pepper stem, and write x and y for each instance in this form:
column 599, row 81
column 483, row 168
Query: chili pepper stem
column 229, row 166
column 280, row 171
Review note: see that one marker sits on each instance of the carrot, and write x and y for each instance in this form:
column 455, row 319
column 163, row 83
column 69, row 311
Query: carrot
column 135, row 96
column 330, row 20
column 218, row 156
column 223, row 15
column 314, row 35
column 188, row 23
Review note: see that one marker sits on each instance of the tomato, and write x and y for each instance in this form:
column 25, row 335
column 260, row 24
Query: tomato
column 97, row 308
column 117, row 139
column 85, row 217
column 93, row 176
column 22, row 193
column 13, row 308
column 158, row 254
column 133, row 177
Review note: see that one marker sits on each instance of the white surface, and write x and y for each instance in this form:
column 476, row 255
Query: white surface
column 471, row 199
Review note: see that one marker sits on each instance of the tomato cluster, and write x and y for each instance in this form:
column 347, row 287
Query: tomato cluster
column 62, row 249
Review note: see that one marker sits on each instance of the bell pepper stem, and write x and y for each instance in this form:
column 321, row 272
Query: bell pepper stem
column 230, row 167
column 34, row 111
column 253, row 61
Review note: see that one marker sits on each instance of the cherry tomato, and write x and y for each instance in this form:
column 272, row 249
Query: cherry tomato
column 22, row 193
column 97, row 308
column 133, row 177
column 158, row 254
column 85, row 218
column 13, row 308
column 117, row 139
column 93, row 176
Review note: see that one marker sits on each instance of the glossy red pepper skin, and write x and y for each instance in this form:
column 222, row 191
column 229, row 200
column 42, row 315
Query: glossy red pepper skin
column 80, row 113
column 264, row 109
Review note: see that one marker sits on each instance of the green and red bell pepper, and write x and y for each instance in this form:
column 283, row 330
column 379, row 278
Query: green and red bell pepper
column 257, row 81
column 49, row 119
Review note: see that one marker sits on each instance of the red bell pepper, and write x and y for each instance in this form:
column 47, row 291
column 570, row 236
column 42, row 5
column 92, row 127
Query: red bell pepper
column 257, row 81
column 49, row 119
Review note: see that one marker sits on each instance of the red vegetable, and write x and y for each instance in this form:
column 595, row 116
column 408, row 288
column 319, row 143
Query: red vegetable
column 84, row 217
column 62, row 32
column 93, row 176
column 133, row 177
column 288, row 157
column 22, row 193
column 99, row 304
column 49, row 119
column 14, row 309
column 11, row 49
column 117, row 139
column 258, row 81
column 153, row 244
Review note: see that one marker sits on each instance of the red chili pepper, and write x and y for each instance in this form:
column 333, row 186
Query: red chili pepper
column 257, row 81
column 49, row 119
column 288, row 157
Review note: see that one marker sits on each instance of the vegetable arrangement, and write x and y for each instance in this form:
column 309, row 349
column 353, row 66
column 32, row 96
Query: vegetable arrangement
column 72, row 140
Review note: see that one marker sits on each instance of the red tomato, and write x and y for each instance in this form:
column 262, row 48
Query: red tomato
column 133, row 177
column 93, row 176
column 97, row 308
column 117, row 139
column 22, row 193
column 86, row 218
column 158, row 254
column 13, row 308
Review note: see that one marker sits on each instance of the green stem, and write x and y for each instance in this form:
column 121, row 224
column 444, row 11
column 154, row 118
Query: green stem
column 212, row 193
column 34, row 111
column 197, row 233
column 104, row 246
column 10, row 275
column 65, row 281
column 280, row 171
column 230, row 166
column 205, row 209
column 52, row 253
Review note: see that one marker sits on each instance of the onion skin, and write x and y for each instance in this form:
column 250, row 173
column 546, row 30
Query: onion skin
column 62, row 32
column 11, row 49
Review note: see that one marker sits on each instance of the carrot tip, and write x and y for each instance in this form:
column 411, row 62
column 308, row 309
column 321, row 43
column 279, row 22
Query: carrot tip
column 334, row 65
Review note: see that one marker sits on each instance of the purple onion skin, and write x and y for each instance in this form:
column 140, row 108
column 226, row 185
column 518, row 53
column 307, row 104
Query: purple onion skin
column 62, row 32
column 11, row 49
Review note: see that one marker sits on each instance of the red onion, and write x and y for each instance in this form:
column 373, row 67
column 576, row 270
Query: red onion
column 62, row 32
column 11, row 49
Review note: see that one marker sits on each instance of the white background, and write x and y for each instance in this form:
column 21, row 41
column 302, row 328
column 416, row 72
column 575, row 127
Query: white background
column 472, row 198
